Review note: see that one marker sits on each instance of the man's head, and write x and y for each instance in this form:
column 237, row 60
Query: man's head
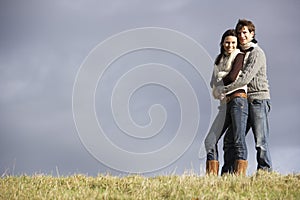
column 245, row 30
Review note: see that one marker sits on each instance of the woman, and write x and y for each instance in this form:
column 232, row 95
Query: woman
column 233, row 109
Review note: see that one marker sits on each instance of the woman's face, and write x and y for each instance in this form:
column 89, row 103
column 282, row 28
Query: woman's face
column 230, row 44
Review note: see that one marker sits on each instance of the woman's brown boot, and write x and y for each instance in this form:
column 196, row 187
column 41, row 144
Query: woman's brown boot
column 212, row 167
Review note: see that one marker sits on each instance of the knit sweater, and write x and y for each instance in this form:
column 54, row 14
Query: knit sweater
column 222, row 70
column 254, row 74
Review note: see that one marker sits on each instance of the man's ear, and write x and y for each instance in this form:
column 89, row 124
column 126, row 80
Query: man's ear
column 252, row 33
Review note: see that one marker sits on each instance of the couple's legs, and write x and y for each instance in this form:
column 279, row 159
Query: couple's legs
column 258, row 121
column 234, row 116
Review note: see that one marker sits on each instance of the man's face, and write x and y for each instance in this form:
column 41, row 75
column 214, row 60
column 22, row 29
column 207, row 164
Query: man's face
column 245, row 36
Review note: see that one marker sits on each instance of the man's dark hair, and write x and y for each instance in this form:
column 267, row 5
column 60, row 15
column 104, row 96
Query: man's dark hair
column 243, row 22
column 251, row 27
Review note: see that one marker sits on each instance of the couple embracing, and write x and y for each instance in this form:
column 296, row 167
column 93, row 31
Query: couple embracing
column 239, row 81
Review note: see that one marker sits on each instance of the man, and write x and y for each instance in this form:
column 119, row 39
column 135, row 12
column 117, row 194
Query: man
column 254, row 74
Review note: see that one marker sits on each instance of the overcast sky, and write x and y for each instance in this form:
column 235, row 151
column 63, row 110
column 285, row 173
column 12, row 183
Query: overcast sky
column 43, row 45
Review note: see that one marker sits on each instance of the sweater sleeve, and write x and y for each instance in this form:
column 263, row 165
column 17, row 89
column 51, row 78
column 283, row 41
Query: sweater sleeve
column 236, row 67
column 212, row 80
column 254, row 62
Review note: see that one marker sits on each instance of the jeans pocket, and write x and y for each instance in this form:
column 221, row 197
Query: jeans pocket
column 257, row 102
column 264, row 105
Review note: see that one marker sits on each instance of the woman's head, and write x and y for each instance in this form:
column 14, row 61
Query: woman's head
column 228, row 43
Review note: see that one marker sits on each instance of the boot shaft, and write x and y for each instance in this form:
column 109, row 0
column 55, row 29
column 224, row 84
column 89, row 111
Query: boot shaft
column 212, row 167
column 240, row 167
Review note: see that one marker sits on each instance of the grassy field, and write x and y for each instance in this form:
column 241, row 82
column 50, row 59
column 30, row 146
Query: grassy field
column 188, row 186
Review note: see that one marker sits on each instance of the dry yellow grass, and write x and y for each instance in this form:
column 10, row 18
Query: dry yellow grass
column 187, row 186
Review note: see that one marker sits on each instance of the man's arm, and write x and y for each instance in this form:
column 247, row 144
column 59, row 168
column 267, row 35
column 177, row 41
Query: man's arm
column 254, row 62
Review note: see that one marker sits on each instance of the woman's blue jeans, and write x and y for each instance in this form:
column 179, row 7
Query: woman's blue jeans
column 233, row 114
column 258, row 121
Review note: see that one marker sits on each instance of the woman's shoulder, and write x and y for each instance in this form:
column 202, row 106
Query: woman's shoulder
column 239, row 57
column 240, row 54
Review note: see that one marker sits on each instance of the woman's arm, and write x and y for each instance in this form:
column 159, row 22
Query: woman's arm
column 236, row 67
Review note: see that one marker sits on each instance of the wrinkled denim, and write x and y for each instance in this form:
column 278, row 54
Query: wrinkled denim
column 233, row 114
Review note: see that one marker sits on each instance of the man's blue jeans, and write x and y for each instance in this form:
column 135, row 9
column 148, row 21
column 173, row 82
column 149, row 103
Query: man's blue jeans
column 233, row 114
column 258, row 121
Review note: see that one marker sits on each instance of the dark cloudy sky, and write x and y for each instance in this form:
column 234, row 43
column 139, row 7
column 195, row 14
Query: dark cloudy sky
column 43, row 45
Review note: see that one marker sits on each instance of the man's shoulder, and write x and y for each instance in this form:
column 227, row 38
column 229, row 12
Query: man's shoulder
column 257, row 50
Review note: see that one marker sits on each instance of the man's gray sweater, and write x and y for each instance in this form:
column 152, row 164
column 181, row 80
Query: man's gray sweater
column 254, row 75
